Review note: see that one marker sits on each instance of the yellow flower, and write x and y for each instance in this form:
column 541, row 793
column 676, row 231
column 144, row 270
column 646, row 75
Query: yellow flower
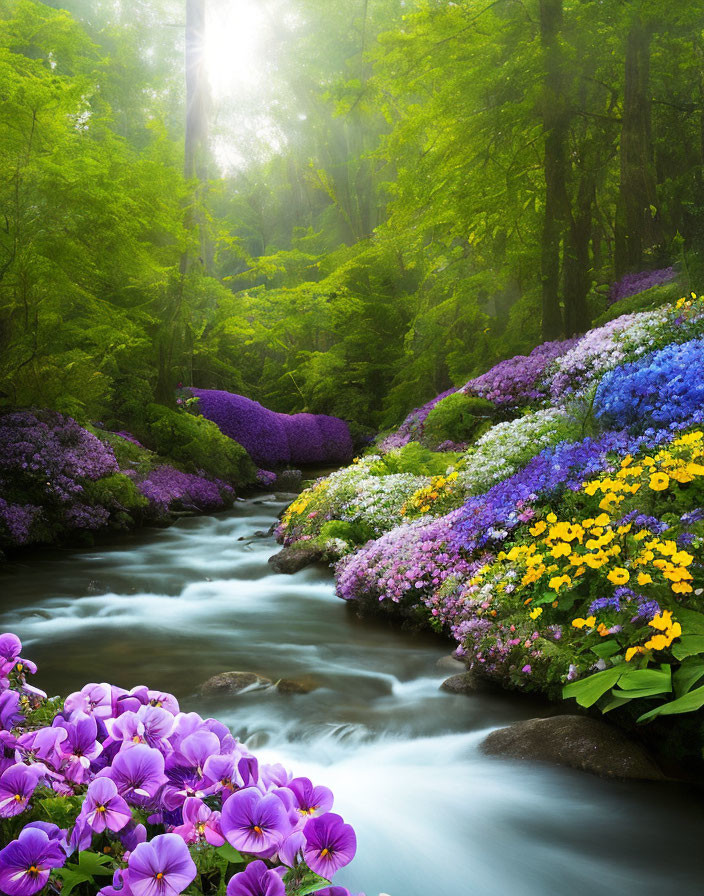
column 538, row 611
column 618, row 576
column 551, row 518
column 633, row 651
column 538, row 528
column 589, row 622
column 561, row 549
column 644, row 578
column 659, row 482
column 556, row 582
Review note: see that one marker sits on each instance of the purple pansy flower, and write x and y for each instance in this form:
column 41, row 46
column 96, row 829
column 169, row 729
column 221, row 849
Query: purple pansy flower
column 137, row 771
column 256, row 880
column 104, row 808
column 311, row 800
column 161, row 867
column 26, row 863
column 17, row 785
column 255, row 823
column 200, row 823
column 330, row 844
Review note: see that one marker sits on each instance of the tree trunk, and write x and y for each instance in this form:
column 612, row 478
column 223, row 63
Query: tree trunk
column 555, row 164
column 171, row 336
column 637, row 219
column 576, row 259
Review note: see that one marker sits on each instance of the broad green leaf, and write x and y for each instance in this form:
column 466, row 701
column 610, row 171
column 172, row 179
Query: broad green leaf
column 230, row 853
column 614, row 701
column 606, row 649
column 688, row 703
column 636, row 693
column 692, row 622
column 72, row 879
column 688, row 675
column 589, row 690
column 93, row 863
column 646, row 679
column 688, row 645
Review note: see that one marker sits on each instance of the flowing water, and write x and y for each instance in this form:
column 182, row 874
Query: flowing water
column 172, row 607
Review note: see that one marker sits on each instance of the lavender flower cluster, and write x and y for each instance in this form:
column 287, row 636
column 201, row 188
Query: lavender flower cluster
column 152, row 788
column 632, row 284
column 46, row 460
column 274, row 439
column 167, row 488
column 519, row 381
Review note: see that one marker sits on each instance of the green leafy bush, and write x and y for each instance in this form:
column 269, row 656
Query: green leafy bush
column 198, row 445
column 458, row 418
column 117, row 491
column 357, row 532
column 415, row 459
column 642, row 301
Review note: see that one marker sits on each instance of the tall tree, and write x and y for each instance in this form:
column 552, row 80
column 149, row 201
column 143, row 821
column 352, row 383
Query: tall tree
column 555, row 126
column 637, row 218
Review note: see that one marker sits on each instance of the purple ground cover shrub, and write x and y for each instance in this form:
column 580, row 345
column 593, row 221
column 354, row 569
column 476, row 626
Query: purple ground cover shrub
column 274, row 439
column 169, row 489
column 337, row 441
column 305, row 439
column 46, row 459
column 518, row 381
column 256, row 428
column 632, row 284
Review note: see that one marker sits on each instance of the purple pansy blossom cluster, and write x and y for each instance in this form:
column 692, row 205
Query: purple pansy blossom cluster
column 154, row 784
column 274, row 439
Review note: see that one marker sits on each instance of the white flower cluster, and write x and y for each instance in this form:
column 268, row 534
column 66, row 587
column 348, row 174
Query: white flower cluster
column 507, row 447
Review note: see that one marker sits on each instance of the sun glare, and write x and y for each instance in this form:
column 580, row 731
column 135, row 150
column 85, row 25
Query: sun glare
column 234, row 45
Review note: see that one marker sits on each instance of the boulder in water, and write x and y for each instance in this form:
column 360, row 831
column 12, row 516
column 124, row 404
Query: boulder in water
column 290, row 686
column 467, row 683
column 296, row 557
column 450, row 663
column 230, row 683
column 580, row 742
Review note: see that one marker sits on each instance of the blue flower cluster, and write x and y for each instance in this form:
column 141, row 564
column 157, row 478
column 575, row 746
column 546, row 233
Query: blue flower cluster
column 660, row 389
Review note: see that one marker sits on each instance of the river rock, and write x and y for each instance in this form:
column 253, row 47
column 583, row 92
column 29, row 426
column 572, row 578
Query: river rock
column 296, row 686
column 296, row 557
column 580, row 742
column 466, row 683
column 230, row 683
column 289, row 481
column 451, row 664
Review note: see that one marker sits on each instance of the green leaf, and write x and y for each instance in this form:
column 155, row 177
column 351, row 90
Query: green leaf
column 93, row 863
column 688, row 645
column 614, row 701
column 606, row 648
column 309, row 883
column 688, row 675
column 589, row 690
column 230, row 853
column 646, row 679
column 635, row 693
column 72, row 879
column 689, row 703
column 692, row 622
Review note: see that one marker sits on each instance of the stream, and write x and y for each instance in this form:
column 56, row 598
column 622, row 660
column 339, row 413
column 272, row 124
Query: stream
column 172, row 607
